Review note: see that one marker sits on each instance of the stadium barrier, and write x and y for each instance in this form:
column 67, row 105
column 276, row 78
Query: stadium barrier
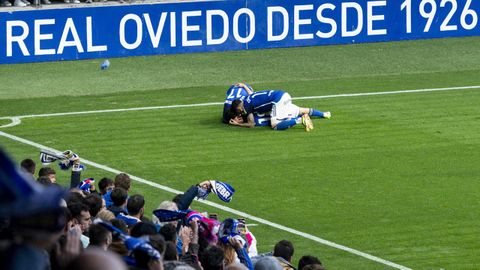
column 205, row 26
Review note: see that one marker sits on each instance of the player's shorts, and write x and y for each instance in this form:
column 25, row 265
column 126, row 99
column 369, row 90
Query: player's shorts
column 284, row 109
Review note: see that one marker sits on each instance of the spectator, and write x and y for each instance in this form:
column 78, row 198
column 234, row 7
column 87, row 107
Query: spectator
column 212, row 258
column 143, row 228
column 314, row 267
column 283, row 251
column 17, row 3
column 95, row 204
column 32, row 214
column 82, row 216
column 117, row 244
column 47, row 171
column 44, row 180
column 167, row 205
column 105, row 185
column 76, row 197
column 306, row 260
column 119, row 201
column 169, row 232
column 236, row 266
column 267, row 263
column 190, row 251
column 135, row 209
column 99, row 236
column 27, row 164
column 123, row 180
column 170, row 252
column 97, row 259
column 105, row 215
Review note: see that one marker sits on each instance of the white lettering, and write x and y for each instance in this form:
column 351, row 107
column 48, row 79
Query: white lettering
column 18, row 39
column 345, row 26
column 76, row 42
column 155, row 36
column 223, row 38
column 371, row 18
column 251, row 18
column 190, row 28
column 90, row 46
column 270, row 25
column 173, row 31
column 38, row 37
column 330, row 21
column 297, row 22
column 138, row 40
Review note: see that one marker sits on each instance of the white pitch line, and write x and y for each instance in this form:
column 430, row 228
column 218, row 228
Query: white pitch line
column 220, row 103
column 222, row 207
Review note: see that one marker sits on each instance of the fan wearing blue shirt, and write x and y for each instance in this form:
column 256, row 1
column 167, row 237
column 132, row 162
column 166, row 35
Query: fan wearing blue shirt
column 284, row 114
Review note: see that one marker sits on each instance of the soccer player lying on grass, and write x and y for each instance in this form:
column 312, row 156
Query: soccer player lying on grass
column 241, row 91
column 236, row 91
column 284, row 114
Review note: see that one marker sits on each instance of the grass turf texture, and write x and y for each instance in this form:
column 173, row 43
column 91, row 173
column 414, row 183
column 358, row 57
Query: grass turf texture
column 394, row 176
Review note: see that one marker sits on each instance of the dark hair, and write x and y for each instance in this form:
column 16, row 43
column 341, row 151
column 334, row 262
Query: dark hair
column 306, row 260
column 77, row 208
column 212, row 258
column 119, row 196
column 44, row 180
column 74, row 197
column 313, row 267
column 135, row 204
column 103, row 184
column 143, row 228
column 170, row 252
column 234, row 109
column 157, row 242
column 45, row 171
column 94, row 202
column 123, row 180
column 169, row 232
column 119, row 224
column 28, row 165
column 98, row 235
column 284, row 249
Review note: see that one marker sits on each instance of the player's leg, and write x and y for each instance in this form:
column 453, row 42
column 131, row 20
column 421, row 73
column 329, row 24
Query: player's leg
column 315, row 113
column 285, row 114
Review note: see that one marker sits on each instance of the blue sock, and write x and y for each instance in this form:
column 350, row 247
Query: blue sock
column 286, row 124
column 314, row 112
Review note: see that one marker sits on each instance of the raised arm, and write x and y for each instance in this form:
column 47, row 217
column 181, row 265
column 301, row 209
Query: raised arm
column 244, row 86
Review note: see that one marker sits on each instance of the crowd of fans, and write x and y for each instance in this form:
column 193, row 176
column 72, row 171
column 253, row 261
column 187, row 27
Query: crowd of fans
column 44, row 226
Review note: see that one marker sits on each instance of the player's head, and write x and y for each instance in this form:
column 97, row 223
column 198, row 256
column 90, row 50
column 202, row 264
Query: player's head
column 236, row 109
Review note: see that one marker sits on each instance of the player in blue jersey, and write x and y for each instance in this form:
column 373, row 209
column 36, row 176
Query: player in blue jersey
column 236, row 91
column 241, row 91
column 284, row 114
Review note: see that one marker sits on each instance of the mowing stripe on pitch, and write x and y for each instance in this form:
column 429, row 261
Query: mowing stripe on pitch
column 17, row 119
column 222, row 207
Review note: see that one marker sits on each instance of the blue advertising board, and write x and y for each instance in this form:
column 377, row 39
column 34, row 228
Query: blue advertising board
column 205, row 26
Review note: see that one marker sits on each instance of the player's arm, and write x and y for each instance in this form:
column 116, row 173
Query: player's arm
column 249, row 124
column 244, row 86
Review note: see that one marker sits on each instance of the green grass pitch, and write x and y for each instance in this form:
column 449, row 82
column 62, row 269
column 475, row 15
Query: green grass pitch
column 394, row 176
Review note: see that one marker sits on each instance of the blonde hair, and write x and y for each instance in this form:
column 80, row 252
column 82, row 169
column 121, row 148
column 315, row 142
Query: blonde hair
column 105, row 215
column 230, row 254
column 167, row 205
